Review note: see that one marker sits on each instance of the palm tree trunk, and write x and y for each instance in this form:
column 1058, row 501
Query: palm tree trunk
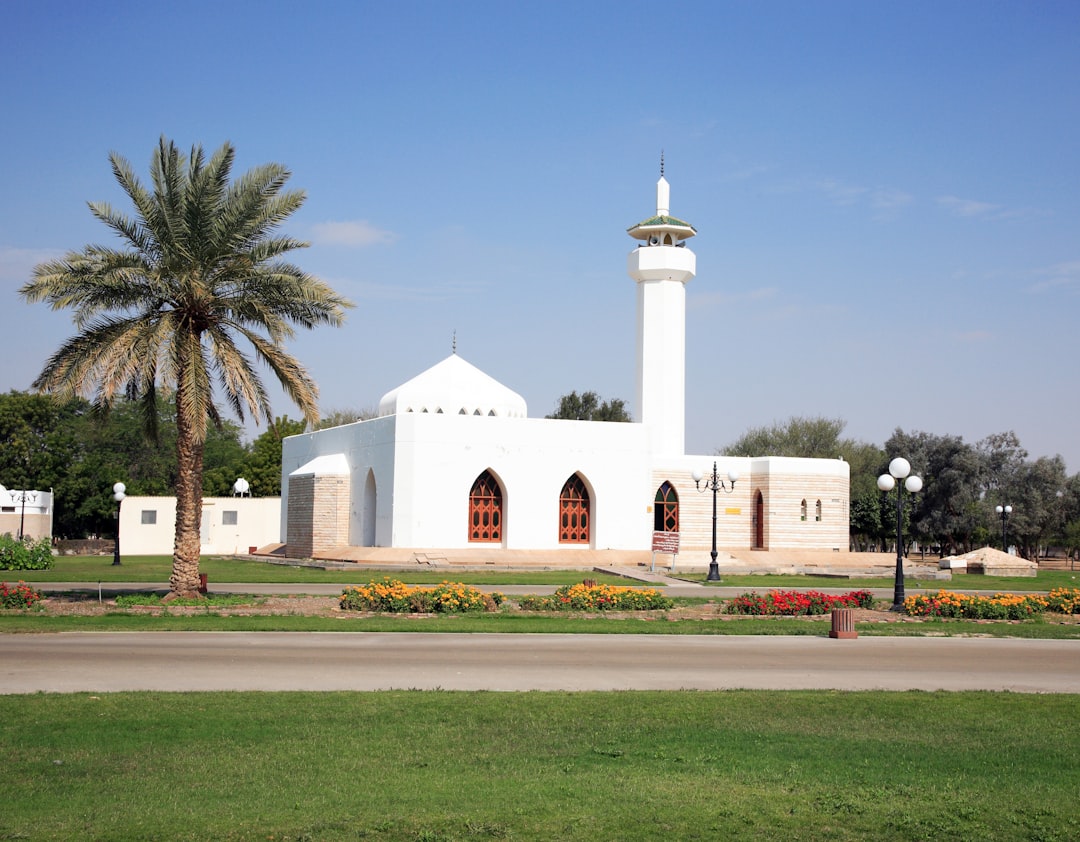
column 184, row 580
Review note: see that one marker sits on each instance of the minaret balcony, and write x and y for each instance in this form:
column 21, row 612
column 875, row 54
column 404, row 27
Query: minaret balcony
column 661, row 263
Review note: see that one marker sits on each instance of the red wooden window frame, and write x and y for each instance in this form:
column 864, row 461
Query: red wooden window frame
column 666, row 509
column 574, row 519
column 485, row 510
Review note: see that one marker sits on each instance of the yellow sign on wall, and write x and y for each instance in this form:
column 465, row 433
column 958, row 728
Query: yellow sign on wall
column 733, row 511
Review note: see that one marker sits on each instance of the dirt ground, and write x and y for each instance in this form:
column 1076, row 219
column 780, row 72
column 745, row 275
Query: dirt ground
column 327, row 606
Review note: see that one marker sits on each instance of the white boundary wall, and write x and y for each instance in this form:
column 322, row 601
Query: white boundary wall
column 230, row 525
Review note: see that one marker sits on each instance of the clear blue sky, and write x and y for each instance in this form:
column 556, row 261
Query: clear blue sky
column 887, row 194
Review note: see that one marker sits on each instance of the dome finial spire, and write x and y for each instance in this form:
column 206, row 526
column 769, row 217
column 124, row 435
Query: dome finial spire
column 453, row 342
column 661, row 163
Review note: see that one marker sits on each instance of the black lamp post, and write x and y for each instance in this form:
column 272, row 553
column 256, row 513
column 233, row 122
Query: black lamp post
column 1003, row 513
column 118, row 496
column 23, row 496
column 899, row 468
column 714, row 484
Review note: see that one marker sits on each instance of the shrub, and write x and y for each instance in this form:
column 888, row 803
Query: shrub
column 589, row 596
column 796, row 603
column 26, row 554
column 395, row 597
column 19, row 596
column 1000, row 606
column 1064, row 600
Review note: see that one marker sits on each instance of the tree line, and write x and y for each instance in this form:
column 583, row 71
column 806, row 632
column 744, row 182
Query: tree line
column 79, row 453
column 963, row 483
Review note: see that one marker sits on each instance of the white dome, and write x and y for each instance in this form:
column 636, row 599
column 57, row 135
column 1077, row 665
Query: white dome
column 454, row 387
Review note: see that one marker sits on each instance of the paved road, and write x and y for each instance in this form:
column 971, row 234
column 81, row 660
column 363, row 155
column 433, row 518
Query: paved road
column 180, row 661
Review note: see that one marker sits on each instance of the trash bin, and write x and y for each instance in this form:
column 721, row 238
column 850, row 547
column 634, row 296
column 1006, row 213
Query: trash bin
column 843, row 625
column 202, row 583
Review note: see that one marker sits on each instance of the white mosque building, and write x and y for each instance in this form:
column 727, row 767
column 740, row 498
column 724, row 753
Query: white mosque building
column 454, row 464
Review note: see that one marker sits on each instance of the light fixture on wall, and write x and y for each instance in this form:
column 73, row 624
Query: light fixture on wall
column 118, row 495
column 899, row 468
column 713, row 483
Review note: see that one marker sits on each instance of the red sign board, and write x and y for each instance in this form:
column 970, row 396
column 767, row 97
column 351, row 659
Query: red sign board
column 665, row 542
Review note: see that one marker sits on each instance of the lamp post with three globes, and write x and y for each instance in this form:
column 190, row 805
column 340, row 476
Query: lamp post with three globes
column 899, row 469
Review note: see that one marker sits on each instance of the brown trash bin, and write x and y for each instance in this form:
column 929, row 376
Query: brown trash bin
column 843, row 625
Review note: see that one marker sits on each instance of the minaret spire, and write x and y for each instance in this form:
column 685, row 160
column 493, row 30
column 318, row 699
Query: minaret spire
column 662, row 265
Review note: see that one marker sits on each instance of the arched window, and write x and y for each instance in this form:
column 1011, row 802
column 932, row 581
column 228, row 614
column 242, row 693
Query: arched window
column 817, row 511
column 666, row 509
column 802, row 511
column 574, row 512
column 485, row 510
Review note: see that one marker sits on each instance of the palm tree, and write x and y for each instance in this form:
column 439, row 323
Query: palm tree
column 200, row 269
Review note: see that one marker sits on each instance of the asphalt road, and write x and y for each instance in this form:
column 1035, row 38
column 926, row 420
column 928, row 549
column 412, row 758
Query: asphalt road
column 182, row 661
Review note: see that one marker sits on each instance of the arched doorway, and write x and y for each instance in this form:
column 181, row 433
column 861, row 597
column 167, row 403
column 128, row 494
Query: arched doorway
column 574, row 520
column 666, row 509
column 759, row 522
column 485, row 510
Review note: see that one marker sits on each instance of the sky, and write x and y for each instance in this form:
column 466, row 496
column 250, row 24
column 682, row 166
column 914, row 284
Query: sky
column 885, row 193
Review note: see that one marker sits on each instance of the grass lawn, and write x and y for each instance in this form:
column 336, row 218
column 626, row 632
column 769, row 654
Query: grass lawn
column 409, row 765
column 156, row 569
column 1045, row 581
column 210, row 619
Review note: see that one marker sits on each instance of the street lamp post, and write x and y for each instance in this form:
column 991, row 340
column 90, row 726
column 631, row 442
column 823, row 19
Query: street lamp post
column 1003, row 513
column 899, row 468
column 713, row 483
column 118, row 496
column 23, row 496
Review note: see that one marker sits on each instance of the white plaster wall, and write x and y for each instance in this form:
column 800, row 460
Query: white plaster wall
column 661, row 361
column 367, row 446
column 33, row 510
column 256, row 525
column 440, row 456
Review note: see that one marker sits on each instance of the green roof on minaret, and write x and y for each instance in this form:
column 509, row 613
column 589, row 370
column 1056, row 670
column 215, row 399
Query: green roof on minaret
column 662, row 222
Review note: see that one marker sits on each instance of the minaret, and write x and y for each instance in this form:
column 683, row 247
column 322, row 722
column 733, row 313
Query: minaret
column 661, row 266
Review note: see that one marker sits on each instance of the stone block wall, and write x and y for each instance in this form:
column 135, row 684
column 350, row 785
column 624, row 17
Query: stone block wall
column 318, row 514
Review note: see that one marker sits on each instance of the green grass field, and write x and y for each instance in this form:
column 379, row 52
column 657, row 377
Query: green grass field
column 156, row 569
column 33, row 622
column 540, row 766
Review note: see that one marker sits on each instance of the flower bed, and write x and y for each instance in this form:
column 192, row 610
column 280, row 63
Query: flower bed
column 19, row 596
column 1000, row 606
column 589, row 596
column 395, row 597
column 796, row 603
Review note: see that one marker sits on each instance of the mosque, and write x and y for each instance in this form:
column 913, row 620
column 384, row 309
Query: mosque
column 454, row 464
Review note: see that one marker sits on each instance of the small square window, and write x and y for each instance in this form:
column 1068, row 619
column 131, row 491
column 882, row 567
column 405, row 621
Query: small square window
column 228, row 518
column 149, row 517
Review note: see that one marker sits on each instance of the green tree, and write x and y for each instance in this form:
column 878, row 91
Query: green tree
column 200, row 268
column 340, row 417
column 262, row 467
column 813, row 438
column 589, row 407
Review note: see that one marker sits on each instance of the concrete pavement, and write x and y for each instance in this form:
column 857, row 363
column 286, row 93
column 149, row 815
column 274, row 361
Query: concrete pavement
column 239, row 661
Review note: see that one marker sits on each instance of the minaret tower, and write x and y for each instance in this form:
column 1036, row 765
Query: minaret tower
column 661, row 265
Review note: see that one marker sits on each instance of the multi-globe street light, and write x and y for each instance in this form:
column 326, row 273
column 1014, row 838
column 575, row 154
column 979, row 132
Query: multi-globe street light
column 22, row 496
column 118, row 495
column 899, row 469
column 1003, row 513
column 713, row 483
